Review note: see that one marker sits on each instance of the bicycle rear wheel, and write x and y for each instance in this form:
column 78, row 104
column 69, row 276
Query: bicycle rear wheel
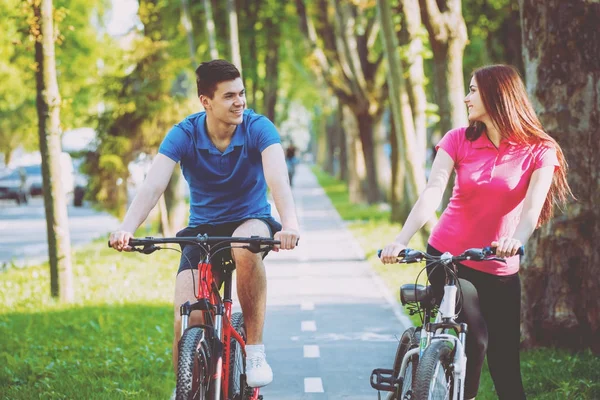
column 408, row 341
column 237, row 361
column 434, row 380
column 193, row 365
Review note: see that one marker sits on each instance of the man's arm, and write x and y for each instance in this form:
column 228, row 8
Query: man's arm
column 144, row 201
column 275, row 170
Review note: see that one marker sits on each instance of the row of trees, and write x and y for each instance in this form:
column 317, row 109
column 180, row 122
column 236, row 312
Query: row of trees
column 382, row 79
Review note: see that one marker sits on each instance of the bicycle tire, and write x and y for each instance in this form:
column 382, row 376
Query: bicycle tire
column 408, row 341
column 193, row 365
column 237, row 361
column 434, row 380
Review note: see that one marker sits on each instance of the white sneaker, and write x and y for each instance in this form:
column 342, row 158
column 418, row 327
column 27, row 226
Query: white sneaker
column 173, row 395
column 258, row 371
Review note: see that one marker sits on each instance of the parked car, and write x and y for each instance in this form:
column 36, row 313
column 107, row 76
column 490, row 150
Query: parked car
column 14, row 186
column 34, row 179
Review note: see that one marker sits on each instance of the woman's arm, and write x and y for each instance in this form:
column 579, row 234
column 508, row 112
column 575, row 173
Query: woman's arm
column 425, row 206
column 537, row 191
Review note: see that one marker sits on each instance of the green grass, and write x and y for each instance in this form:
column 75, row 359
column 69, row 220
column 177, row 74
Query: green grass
column 548, row 374
column 114, row 343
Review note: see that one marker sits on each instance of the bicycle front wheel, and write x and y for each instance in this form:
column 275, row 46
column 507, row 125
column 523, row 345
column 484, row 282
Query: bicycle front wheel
column 237, row 361
column 408, row 341
column 434, row 379
column 193, row 366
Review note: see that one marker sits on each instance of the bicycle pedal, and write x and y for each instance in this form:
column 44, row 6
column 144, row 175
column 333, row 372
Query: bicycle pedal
column 383, row 379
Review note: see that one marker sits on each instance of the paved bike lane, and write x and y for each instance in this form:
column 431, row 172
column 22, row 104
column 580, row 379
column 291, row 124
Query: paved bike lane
column 330, row 319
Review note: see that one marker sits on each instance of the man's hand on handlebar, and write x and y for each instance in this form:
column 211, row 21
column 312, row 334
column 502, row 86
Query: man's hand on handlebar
column 288, row 237
column 389, row 254
column 119, row 240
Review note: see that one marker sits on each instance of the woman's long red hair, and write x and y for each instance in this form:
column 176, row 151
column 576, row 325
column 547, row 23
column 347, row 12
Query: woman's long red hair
column 505, row 99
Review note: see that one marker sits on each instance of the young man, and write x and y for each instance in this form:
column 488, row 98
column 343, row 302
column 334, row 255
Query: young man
column 229, row 155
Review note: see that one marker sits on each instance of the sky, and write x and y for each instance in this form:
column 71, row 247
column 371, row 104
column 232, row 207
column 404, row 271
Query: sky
column 123, row 17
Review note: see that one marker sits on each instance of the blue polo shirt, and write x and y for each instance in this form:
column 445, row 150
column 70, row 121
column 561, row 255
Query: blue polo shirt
column 224, row 186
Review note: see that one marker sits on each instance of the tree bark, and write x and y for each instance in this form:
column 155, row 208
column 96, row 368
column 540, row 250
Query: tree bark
column 562, row 63
column 410, row 37
column 186, row 21
column 272, row 30
column 210, row 30
column 448, row 37
column 405, row 140
column 48, row 109
column 355, row 160
column 236, row 57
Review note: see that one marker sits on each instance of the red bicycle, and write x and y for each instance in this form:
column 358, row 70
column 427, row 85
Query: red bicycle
column 212, row 360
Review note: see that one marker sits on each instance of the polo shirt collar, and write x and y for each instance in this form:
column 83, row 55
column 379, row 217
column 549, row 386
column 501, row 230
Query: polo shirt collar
column 204, row 142
column 484, row 142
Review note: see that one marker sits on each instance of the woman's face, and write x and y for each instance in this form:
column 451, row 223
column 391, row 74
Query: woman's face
column 474, row 103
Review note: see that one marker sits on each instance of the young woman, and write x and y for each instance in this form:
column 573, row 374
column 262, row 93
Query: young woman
column 509, row 174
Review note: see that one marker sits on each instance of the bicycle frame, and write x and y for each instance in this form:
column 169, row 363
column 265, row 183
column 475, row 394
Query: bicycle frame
column 217, row 310
column 445, row 320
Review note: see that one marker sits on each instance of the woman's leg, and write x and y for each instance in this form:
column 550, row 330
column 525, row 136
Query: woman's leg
column 501, row 305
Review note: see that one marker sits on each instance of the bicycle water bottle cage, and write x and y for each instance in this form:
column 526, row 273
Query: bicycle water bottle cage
column 412, row 293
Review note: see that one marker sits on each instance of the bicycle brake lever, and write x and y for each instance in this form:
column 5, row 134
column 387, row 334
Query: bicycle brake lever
column 148, row 249
column 496, row 259
column 253, row 247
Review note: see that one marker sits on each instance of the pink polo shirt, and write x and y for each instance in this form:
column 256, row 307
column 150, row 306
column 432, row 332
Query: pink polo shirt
column 488, row 194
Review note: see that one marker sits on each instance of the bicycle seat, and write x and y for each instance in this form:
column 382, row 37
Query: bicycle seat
column 411, row 293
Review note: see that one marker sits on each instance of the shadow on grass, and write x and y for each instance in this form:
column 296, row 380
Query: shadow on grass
column 92, row 352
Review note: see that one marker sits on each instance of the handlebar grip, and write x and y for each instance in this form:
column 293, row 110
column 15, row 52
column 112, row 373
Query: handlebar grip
column 520, row 252
column 402, row 253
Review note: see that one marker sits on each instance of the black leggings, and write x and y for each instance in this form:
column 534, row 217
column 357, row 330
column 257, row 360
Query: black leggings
column 491, row 307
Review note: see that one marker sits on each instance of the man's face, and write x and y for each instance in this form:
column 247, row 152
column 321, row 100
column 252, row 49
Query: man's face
column 228, row 102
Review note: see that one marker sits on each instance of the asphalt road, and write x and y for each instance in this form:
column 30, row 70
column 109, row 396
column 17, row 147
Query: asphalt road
column 23, row 230
column 330, row 319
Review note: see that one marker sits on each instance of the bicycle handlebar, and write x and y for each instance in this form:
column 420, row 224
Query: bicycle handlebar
column 149, row 243
column 410, row 256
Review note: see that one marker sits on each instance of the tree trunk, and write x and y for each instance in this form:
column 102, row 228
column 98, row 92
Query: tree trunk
column 210, row 30
column 234, row 41
column 175, row 204
column 186, row 21
column 48, row 109
column 401, row 115
column 560, row 279
column 272, row 66
column 415, row 79
column 355, row 159
column 366, row 127
column 448, row 37
column 343, row 148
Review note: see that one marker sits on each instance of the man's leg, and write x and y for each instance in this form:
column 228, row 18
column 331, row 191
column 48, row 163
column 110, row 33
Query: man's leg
column 184, row 291
column 252, row 294
column 251, row 281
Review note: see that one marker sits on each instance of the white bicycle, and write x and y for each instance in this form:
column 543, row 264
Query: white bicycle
column 430, row 361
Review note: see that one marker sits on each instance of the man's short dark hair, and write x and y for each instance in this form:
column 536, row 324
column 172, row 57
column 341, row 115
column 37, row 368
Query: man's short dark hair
column 209, row 74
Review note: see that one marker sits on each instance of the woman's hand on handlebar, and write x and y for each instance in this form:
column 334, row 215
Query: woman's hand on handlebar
column 389, row 254
column 506, row 246
column 119, row 240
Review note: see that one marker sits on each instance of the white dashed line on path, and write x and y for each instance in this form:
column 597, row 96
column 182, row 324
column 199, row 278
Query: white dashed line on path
column 313, row 385
column 307, row 306
column 311, row 351
column 308, row 326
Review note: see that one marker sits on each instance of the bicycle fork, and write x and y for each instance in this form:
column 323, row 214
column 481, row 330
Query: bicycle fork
column 217, row 351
